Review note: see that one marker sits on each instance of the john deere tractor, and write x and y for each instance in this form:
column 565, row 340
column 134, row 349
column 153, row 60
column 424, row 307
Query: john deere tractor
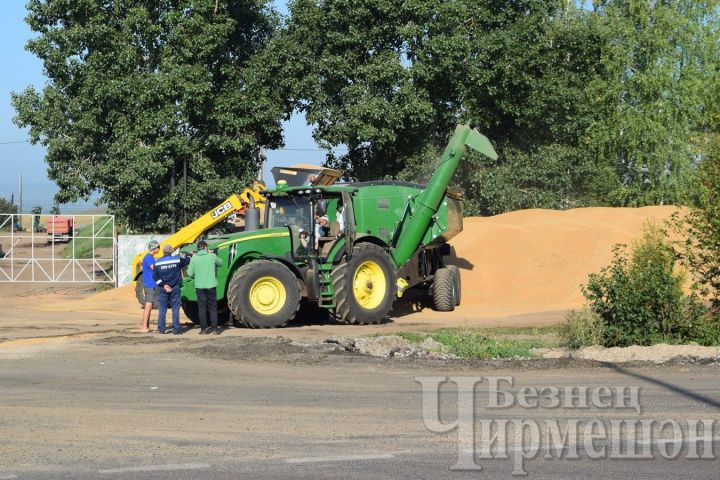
column 350, row 248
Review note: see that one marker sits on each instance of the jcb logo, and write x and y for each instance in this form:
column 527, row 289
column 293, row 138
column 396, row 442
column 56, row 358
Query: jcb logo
column 221, row 209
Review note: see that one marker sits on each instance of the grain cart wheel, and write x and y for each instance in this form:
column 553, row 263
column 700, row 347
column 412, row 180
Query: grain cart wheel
column 364, row 286
column 457, row 283
column 190, row 309
column 264, row 294
column 443, row 290
column 140, row 293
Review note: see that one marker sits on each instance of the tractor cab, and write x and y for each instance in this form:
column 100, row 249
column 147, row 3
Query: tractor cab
column 314, row 216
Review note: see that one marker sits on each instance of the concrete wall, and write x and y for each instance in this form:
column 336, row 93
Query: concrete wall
column 128, row 247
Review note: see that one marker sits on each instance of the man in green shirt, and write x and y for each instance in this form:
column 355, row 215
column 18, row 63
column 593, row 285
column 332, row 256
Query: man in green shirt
column 202, row 268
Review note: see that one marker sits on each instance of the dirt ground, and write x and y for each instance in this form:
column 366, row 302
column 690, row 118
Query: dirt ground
column 31, row 311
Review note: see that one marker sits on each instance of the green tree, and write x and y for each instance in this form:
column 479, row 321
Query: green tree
column 389, row 80
column 700, row 225
column 660, row 59
column 137, row 91
column 7, row 207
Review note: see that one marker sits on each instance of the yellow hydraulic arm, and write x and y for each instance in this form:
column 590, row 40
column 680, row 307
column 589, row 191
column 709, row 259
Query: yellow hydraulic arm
column 233, row 204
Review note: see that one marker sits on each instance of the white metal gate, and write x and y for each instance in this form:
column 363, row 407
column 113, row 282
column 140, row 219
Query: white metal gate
column 58, row 248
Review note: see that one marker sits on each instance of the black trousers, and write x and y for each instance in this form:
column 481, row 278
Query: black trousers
column 207, row 302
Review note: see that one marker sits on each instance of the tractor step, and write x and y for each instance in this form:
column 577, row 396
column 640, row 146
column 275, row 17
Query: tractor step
column 326, row 297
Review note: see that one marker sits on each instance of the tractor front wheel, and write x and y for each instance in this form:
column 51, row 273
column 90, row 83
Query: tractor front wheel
column 264, row 294
column 364, row 286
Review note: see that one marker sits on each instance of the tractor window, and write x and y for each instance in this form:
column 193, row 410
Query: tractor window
column 289, row 212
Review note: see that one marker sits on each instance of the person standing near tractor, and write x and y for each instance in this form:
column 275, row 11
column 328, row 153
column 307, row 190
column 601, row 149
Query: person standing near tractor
column 150, row 290
column 168, row 277
column 202, row 268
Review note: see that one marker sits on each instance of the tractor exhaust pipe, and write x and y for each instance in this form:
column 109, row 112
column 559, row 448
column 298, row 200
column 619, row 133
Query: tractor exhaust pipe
column 252, row 216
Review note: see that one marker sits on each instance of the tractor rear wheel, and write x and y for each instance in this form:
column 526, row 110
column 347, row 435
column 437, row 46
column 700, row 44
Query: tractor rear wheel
column 457, row 283
column 443, row 290
column 264, row 294
column 364, row 286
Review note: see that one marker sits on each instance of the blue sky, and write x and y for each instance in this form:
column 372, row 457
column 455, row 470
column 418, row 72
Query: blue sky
column 22, row 69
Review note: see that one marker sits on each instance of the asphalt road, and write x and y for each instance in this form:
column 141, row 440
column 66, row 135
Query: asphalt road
column 143, row 407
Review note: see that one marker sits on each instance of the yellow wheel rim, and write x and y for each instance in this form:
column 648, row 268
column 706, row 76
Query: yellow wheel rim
column 267, row 295
column 369, row 285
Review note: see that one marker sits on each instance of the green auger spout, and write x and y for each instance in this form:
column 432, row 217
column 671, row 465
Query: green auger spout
column 427, row 203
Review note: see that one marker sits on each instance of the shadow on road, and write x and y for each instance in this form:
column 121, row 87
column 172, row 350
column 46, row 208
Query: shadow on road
column 710, row 402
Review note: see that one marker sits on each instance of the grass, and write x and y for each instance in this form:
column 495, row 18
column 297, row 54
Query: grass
column 103, row 287
column 488, row 343
column 84, row 246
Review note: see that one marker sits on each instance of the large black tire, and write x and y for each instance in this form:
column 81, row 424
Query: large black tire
column 457, row 283
column 140, row 293
column 371, row 302
column 264, row 294
column 191, row 311
column 443, row 290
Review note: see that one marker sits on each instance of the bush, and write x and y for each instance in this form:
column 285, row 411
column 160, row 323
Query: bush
column 640, row 297
column 582, row 328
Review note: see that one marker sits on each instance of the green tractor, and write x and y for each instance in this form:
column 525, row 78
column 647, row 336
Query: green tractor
column 349, row 248
column 38, row 227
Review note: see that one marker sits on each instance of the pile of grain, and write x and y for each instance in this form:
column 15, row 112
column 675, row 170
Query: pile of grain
column 536, row 260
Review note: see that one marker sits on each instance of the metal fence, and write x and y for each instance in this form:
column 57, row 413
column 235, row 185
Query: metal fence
column 58, row 248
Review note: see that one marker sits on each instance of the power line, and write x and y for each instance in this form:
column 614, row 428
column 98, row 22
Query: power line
column 13, row 142
column 307, row 149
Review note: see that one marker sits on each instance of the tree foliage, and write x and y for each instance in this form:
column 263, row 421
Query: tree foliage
column 138, row 90
column 7, row 207
column 391, row 80
column 700, row 226
column 611, row 105
column 585, row 107
column 661, row 61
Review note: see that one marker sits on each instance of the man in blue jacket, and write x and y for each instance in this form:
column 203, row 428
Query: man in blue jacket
column 168, row 277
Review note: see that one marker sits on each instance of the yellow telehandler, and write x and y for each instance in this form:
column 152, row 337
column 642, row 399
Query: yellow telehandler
column 235, row 205
column 249, row 200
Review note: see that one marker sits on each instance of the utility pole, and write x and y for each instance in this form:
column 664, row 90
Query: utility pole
column 20, row 199
column 172, row 191
column 261, row 157
column 185, row 222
